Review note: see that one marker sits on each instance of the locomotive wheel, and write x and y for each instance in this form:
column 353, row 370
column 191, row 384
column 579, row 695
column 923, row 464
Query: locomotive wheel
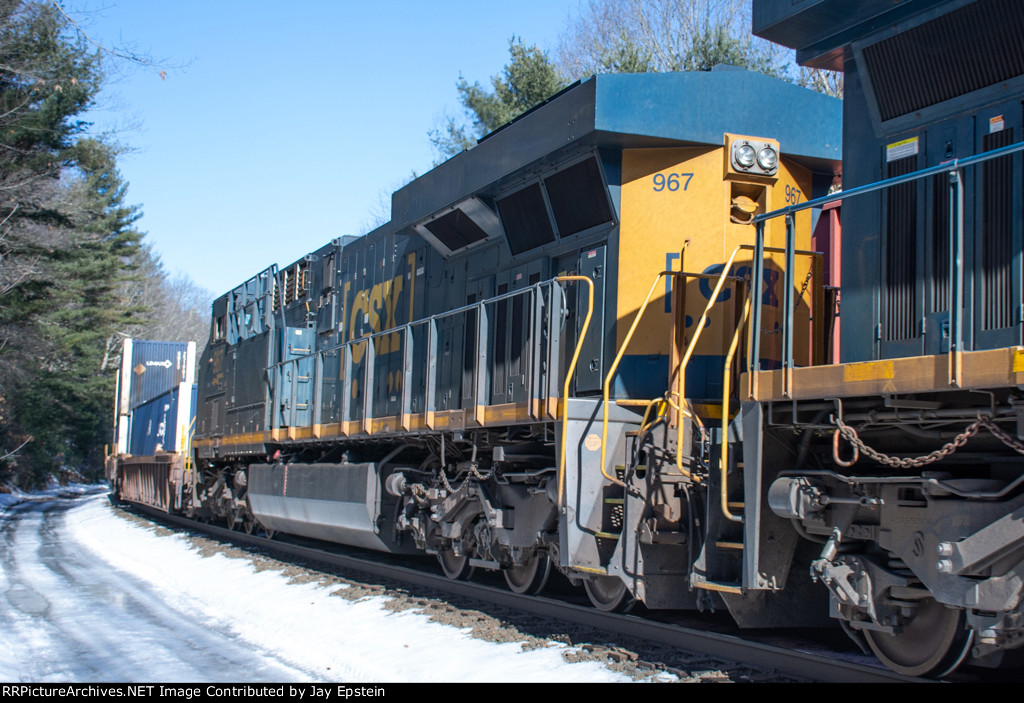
column 609, row 593
column 531, row 577
column 933, row 643
column 457, row 568
column 240, row 520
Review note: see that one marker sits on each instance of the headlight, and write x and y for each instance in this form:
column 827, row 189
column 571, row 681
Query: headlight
column 768, row 159
column 751, row 158
column 744, row 156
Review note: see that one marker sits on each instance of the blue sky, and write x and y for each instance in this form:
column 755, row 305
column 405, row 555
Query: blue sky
column 279, row 125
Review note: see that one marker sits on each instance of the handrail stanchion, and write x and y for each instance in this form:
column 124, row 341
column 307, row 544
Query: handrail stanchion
column 293, row 367
column 787, row 315
column 536, row 358
column 568, row 379
column 480, row 366
column 405, row 412
column 368, row 372
column 754, row 335
column 684, row 362
column 346, row 388
column 430, row 393
column 318, row 392
column 559, row 308
column 726, row 381
column 614, row 367
column 956, row 276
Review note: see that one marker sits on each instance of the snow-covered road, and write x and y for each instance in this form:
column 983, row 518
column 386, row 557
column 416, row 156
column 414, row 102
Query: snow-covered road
column 72, row 617
column 89, row 596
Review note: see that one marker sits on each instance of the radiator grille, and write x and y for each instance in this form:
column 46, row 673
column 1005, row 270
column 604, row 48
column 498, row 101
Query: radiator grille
column 456, row 230
column 971, row 48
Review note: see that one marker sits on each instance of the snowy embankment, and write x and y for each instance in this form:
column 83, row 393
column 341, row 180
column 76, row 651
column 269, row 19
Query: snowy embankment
column 302, row 626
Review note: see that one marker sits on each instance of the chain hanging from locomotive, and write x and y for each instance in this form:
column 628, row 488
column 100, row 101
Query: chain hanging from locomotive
column 605, row 342
column 904, row 460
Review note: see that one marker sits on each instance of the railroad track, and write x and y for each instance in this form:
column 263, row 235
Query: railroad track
column 745, row 652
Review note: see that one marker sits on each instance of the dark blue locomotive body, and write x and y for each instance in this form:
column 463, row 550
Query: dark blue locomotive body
column 607, row 341
column 915, row 495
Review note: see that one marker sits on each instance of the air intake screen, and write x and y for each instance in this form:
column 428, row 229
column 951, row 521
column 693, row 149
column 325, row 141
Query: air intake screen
column 578, row 198
column 940, row 244
column 525, row 219
column 456, row 230
column 971, row 48
column 997, row 235
column 901, row 254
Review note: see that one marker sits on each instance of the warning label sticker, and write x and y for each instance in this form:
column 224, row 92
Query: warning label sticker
column 901, row 149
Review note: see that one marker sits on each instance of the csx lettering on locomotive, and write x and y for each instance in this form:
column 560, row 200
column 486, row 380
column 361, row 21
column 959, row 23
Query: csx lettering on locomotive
column 606, row 341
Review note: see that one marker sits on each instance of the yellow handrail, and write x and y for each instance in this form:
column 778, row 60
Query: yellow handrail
column 726, row 379
column 681, row 382
column 622, row 350
column 568, row 378
column 662, row 408
column 615, row 367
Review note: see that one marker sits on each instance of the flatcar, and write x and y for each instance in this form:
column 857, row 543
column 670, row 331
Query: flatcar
column 154, row 418
column 607, row 341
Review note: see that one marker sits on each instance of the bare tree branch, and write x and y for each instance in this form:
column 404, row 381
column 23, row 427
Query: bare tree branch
column 11, row 453
column 608, row 36
column 134, row 58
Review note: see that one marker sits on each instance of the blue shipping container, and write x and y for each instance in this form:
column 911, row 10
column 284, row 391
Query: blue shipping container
column 155, row 425
column 156, row 369
column 152, row 422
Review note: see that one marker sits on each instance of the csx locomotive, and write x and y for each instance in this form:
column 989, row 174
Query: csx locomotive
column 606, row 341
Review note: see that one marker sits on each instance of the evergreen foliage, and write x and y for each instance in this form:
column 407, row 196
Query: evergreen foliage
column 625, row 55
column 621, row 36
column 68, row 248
column 713, row 46
column 528, row 79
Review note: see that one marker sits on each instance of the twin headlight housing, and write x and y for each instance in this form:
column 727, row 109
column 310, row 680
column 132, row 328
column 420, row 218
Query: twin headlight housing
column 754, row 156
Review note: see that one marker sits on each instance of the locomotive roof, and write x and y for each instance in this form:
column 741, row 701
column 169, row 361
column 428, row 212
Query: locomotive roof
column 636, row 110
column 820, row 29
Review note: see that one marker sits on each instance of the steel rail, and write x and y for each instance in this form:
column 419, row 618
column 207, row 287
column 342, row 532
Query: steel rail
column 729, row 648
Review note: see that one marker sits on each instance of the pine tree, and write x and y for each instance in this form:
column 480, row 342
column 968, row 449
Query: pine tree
column 78, row 315
column 67, row 240
column 528, row 79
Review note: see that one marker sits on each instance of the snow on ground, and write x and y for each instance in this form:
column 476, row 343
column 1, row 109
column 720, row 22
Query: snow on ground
column 329, row 638
column 16, row 496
